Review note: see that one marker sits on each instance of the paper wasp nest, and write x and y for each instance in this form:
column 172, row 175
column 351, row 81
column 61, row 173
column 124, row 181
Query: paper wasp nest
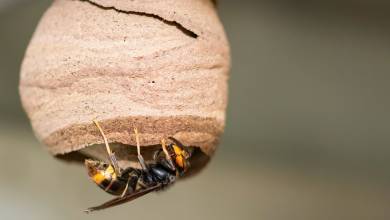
column 161, row 66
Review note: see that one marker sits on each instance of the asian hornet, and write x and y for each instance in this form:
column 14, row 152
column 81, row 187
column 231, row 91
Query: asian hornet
column 169, row 163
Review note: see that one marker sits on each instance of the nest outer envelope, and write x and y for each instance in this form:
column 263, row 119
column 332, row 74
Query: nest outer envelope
column 161, row 66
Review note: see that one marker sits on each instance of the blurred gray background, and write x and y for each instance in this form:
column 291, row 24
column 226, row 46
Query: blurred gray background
column 308, row 126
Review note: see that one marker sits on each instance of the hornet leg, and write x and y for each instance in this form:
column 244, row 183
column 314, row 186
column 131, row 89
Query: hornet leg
column 140, row 157
column 167, row 156
column 127, row 187
column 111, row 155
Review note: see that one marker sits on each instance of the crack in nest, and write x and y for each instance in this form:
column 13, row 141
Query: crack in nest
column 171, row 23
